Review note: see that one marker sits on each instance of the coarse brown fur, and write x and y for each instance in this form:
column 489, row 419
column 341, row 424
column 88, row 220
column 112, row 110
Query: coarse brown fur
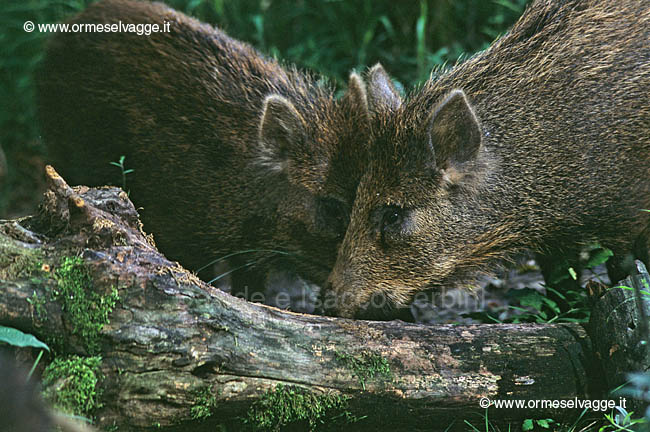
column 541, row 142
column 231, row 151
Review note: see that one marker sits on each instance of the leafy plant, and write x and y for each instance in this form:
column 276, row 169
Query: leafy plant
column 637, row 387
column 15, row 337
column 120, row 165
column 624, row 421
column 530, row 424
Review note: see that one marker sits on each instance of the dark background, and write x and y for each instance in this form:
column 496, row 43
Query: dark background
column 331, row 37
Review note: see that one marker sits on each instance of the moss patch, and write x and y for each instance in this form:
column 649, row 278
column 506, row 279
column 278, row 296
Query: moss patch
column 86, row 310
column 286, row 405
column 17, row 261
column 71, row 384
column 204, row 403
column 364, row 366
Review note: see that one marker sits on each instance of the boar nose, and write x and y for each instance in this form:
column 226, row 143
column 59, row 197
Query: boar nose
column 381, row 308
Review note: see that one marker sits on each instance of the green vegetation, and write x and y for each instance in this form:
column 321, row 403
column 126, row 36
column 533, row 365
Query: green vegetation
column 120, row 165
column 71, row 384
column 17, row 261
column 333, row 37
column 364, row 366
column 329, row 37
column 529, row 424
column 84, row 308
column 290, row 405
column 618, row 420
column 562, row 303
column 17, row 338
column 38, row 303
column 204, row 403
column 621, row 420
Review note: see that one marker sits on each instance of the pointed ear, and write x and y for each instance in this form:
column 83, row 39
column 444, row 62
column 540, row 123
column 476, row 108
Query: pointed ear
column 382, row 94
column 454, row 131
column 281, row 131
column 356, row 97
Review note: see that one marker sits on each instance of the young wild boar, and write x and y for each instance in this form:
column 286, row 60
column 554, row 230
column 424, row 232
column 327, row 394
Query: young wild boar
column 541, row 142
column 231, row 151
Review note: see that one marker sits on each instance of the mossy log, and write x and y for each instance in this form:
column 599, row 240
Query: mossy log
column 179, row 353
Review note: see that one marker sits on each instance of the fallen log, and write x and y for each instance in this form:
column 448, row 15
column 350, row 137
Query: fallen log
column 179, row 353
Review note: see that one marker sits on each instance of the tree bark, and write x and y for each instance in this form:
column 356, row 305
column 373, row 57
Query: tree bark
column 618, row 327
column 172, row 338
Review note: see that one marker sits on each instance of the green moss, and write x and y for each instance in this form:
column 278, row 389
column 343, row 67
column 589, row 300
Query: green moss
column 17, row 261
column 205, row 401
column 286, row 405
column 364, row 366
column 85, row 309
column 71, row 384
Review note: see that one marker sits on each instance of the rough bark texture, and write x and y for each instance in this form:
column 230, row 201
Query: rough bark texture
column 619, row 330
column 172, row 339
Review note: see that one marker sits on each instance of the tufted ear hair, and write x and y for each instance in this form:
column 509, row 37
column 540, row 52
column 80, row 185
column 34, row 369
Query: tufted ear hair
column 356, row 96
column 454, row 131
column 281, row 129
column 382, row 94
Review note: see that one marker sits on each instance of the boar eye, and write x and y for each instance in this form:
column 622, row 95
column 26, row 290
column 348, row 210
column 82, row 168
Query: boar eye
column 392, row 219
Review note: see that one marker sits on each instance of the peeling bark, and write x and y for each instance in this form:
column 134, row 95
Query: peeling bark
column 171, row 337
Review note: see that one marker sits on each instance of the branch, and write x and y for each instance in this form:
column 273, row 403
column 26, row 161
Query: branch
column 177, row 350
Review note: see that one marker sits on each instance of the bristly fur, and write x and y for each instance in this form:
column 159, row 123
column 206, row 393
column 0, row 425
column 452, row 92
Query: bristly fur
column 563, row 105
column 186, row 109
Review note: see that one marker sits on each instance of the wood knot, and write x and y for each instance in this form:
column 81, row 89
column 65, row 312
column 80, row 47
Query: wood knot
column 78, row 202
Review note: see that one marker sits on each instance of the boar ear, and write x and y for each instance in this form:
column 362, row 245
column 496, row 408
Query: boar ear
column 281, row 131
column 382, row 94
column 356, row 97
column 454, row 131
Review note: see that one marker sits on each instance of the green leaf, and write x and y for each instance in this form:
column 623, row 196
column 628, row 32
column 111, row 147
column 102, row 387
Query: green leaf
column 573, row 273
column 509, row 5
column 551, row 304
column 527, row 297
column 387, row 25
column 527, row 425
column 598, row 257
column 556, row 292
column 17, row 338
